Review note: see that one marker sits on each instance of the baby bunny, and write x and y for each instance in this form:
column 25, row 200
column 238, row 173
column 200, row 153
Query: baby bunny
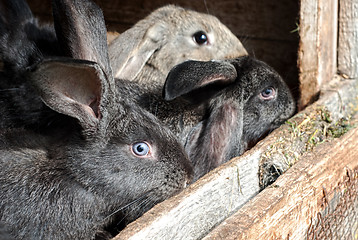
column 168, row 36
column 219, row 109
column 109, row 159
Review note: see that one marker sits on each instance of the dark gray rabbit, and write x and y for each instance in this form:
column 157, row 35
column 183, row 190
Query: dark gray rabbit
column 218, row 109
column 168, row 36
column 108, row 160
column 240, row 100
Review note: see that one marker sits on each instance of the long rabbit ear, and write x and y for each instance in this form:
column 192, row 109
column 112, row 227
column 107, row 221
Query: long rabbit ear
column 81, row 31
column 130, row 51
column 216, row 139
column 192, row 79
column 71, row 87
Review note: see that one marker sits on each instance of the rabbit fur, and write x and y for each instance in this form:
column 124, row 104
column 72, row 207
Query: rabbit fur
column 76, row 179
column 168, row 36
column 218, row 109
column 23, row 42
column 196, row 112
column 201, row 113
column 250, row 99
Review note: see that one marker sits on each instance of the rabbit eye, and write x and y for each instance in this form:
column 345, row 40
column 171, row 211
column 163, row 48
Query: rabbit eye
column 268, row 93
column 141, row 149
column 200, row 38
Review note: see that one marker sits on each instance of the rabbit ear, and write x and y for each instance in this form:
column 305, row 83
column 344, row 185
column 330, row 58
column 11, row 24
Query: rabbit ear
column 71, row 87
column 81, row 31
column 217, row 139
column 192, row 79
column 140, row 44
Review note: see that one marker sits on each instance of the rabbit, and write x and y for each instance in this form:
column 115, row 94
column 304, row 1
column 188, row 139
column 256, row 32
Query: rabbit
column 249, row 100
column 170, row 35
column 109, row 160
column 218, row 109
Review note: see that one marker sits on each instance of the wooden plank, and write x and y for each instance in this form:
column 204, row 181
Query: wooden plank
column 348, row 38
column 295, row 202
column 327, row 40
column 195, row 211
column 285, row 210
column 317, row 48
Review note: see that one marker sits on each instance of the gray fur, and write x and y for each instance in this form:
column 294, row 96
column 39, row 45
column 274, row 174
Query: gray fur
column 146, row 52
column 215, row 109
column 77, row 178
column 235, row 116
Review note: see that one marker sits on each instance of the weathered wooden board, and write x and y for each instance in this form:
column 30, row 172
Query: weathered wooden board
column 317, row 48
column 287, row 210
column 195, row 211
column 348, row 38
column 298, row 201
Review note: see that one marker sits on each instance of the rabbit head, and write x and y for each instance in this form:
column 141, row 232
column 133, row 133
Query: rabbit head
column 109, row 159
column 168, row 36
column 244, row 99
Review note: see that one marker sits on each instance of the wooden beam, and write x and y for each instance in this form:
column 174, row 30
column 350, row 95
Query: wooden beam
column 289, row 208
column 318, row 46
column 195, row 211
column 348, row 38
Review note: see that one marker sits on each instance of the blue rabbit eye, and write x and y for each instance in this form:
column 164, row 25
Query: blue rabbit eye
column 200, row 38
column 141, row 149
column 268, row 93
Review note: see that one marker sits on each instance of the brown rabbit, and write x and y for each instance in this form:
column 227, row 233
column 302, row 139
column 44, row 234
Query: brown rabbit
column 168, row 36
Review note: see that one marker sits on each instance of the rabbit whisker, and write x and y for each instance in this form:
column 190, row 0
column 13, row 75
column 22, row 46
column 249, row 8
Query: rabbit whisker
column 206, row 7
column 129, row 204
column 142, row 204
column 9, row 89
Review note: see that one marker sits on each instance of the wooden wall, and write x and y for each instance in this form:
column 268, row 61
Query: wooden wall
column 266, row 28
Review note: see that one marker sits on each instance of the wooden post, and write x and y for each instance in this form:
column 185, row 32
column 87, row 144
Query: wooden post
column 348, row 38
column 318, row 46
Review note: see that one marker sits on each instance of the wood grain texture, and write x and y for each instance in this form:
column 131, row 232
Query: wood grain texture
column 286, row 210
column 294, row 206
column 317, row 48
column 195, row 211
column 348, row 38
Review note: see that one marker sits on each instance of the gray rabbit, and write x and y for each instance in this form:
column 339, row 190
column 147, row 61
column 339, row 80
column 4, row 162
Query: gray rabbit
column 170, row 35
column 218, row 109
column 240, row 101
column 108, row 160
